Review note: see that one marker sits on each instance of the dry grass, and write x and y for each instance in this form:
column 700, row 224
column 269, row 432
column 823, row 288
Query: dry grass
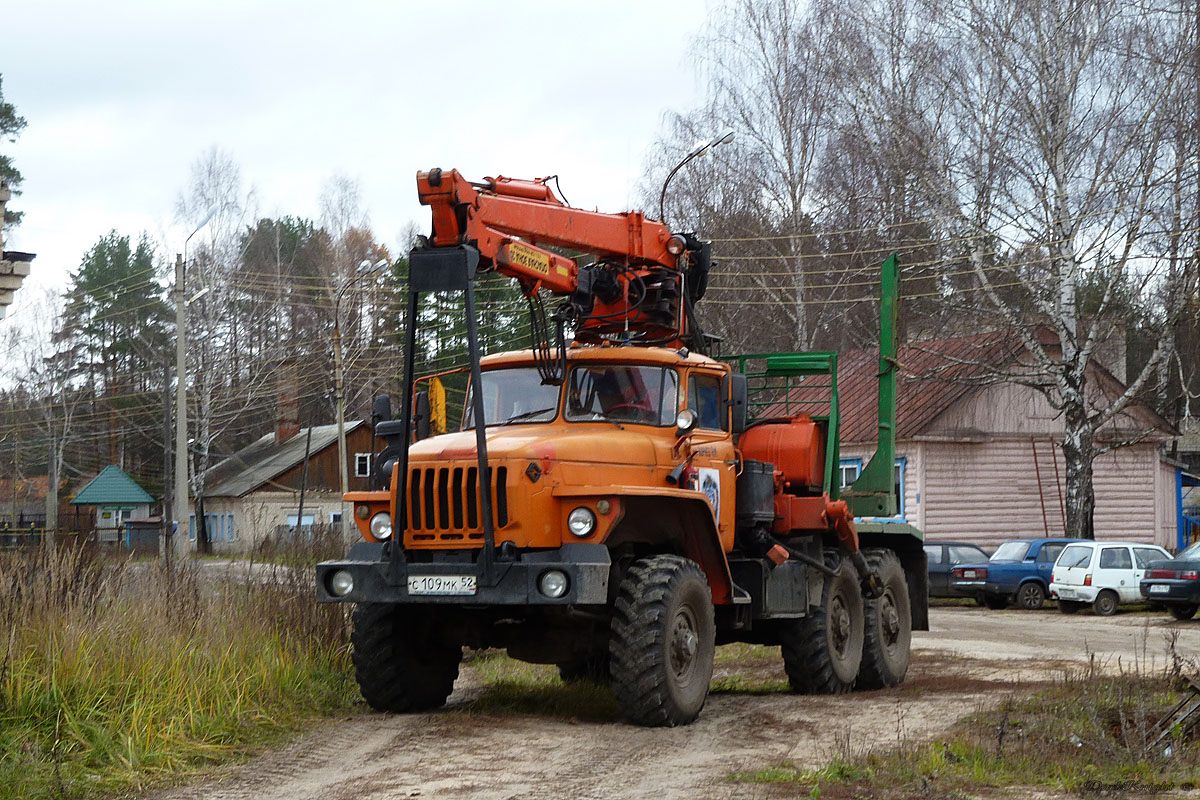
column 115, row 675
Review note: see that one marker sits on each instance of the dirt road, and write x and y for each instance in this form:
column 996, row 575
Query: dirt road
column 969, row 658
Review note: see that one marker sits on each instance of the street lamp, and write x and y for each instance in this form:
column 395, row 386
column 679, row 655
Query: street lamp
column 179, row 543
column 365, row 268
column 725, row 137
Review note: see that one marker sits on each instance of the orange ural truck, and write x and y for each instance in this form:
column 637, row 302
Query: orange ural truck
column 621, row 504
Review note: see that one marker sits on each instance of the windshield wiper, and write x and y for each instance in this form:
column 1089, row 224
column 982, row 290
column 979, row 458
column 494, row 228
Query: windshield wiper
column 527, row 414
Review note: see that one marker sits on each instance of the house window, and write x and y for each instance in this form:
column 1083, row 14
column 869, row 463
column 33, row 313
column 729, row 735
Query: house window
column 848, row 471
column 229, row 528
column 335, row 518
column 306, row 522
column 362, row 465
column 192, row 527
column 850, row 468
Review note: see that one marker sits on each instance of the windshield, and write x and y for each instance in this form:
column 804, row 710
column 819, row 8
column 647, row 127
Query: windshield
column 515, row 395
column 1011, row 551
column 622, row 393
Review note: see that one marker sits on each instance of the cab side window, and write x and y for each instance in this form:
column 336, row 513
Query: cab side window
column 1115, row 558
column 704, row 397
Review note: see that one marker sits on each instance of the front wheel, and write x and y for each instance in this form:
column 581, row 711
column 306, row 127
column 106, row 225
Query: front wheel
column 888, row 625
column 822, row 653
column 1031, row 596
column 662, row 641
column 1182, row 613
column 400, row 662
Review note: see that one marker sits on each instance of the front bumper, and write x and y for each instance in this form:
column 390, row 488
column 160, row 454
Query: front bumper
column 1177, row 591
column 514, row 583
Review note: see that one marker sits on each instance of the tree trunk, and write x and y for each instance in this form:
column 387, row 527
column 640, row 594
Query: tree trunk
column 1079, row 451
column 52, row 488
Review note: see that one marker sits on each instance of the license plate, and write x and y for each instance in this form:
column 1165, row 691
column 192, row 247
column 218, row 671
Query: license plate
column 1159, row 588
column 969, row 574
column 1066, row 594
column 441, row 584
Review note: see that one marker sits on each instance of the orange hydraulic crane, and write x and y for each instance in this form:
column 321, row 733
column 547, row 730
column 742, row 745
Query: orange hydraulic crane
column 640, row 288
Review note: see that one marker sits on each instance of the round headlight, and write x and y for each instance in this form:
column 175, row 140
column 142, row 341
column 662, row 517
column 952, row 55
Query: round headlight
column 553, row 583
column 381, row 525
column 341, row 583
column 581, row 521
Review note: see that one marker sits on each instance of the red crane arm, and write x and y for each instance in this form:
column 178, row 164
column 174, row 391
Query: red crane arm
column 511, row 221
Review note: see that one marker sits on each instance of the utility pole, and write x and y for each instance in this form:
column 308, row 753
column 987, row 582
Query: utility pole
column 179, row 507
column 168, row 512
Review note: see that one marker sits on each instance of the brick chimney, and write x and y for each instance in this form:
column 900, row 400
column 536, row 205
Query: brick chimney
column 287, row 423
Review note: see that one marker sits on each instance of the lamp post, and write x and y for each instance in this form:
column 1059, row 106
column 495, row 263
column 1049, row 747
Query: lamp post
column 178, row 548
column 725, row 137
column 365, row 268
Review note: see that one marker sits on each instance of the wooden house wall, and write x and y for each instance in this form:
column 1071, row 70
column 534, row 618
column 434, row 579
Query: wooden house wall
column 323, row 466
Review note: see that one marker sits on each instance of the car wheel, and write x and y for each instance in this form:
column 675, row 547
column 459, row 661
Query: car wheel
column 1105, row 604
column 1031, row 596
column 1069, row 606
column 995, row 602
column 401, row 660
column 1183, row 612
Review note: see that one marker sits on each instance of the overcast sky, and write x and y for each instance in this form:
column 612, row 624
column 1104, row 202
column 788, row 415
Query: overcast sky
column 122, row 98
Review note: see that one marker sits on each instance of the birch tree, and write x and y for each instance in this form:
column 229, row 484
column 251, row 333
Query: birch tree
column 1055, row 162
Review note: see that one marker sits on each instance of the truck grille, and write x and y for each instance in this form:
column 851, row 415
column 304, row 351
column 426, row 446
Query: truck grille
column 443, row 502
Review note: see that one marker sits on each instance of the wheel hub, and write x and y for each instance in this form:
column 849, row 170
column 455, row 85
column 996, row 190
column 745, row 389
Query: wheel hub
column 684, row 644
column 889, row 620
column 839, row 625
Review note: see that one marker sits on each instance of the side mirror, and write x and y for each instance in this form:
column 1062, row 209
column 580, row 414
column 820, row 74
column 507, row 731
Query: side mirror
column 421, row 420
column 381, row 411
column 685, row 422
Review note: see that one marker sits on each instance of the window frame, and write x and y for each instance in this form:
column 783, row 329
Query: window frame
column 722, row 418
column 664, row 422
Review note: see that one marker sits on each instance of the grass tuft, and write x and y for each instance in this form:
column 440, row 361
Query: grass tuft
column 117, row 675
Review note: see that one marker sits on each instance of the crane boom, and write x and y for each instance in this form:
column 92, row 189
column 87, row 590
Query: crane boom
column 635, row 290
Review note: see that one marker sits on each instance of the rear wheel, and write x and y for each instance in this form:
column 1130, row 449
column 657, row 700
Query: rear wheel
column 1069, row 606
column 662, row 641
column 1031, row 596
column 822, row 653
column 887, row 625
column 1183, row 612
column 1105, row 604
column 400, row 662
column 995, row 601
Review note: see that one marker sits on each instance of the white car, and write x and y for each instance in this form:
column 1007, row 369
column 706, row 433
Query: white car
column 1104, row 574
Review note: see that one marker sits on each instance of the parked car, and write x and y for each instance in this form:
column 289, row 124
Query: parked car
column 1018, row 571
column 1104, row 574
column 945, row 556
column 1175, row 583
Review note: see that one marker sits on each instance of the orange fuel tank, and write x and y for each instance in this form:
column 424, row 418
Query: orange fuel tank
column 796, row 447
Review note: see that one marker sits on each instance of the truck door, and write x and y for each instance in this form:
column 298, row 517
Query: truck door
column 712, row 448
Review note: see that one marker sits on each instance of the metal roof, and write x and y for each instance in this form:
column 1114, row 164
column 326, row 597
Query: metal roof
column 265, row 459
column 111, row 487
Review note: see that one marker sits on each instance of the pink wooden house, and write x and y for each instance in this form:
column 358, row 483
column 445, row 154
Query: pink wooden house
column 982, row 462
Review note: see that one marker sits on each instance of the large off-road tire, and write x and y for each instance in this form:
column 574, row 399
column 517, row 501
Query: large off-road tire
column 1031, row 596
column 399, row 661
column 1106, row 603
column 887, row 629
column 822, row 653
column 1182, row 612
column 662, row 641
